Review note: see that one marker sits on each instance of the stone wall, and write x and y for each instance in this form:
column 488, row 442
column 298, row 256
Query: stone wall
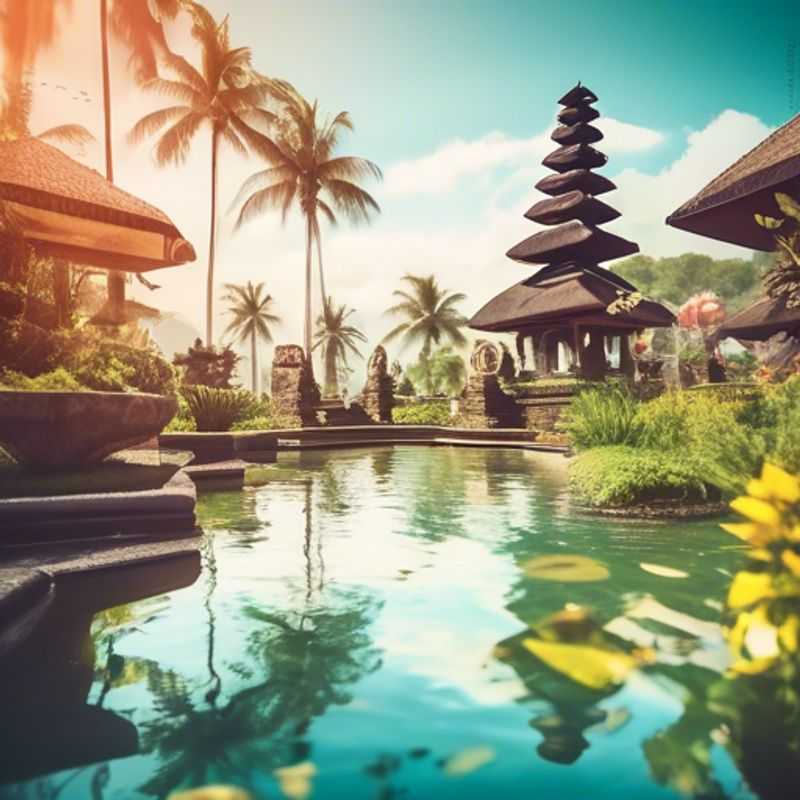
column 543, row 413
column 295, row 394
column 485, row 404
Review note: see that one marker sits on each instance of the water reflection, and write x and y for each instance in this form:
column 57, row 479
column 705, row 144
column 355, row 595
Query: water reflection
column 347, row 616
column 50, row 723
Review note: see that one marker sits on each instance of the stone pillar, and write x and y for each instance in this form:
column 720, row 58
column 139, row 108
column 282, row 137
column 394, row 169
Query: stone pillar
column 626, row 363
column 593, row 357
column 377, row 397
column 485, row 404
column 294, row 392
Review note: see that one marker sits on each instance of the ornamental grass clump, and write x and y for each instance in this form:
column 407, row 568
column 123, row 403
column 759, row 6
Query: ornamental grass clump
column 218, row 409
column 602, row 416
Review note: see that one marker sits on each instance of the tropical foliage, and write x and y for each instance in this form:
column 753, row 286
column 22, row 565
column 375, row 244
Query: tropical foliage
column 218, row 409
column 435, row 413
column 720, row 438
column 431, row 316
column 335, row 339
column 673, row 279
column 251, row 319
column 305, row 171
column 444, row 372
column 226, row 95
column 783, row 280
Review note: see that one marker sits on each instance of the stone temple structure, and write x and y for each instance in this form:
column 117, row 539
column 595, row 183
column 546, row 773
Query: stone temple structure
column 573, row 310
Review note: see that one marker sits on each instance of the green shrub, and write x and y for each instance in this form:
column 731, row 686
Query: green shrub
column 59, row 380
column 663, row 422
column 783, row 409
column 264, row 417
column 622, row 475
column 422, row 414
column 602, row 416
column 218, row 409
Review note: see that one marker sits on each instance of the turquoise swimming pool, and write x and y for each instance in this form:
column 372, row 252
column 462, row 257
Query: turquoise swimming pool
column 358, row 630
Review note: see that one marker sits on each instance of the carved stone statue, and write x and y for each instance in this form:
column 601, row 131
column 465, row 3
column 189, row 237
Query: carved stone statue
column 378, row 394
column 294, row 392
column 486, row 358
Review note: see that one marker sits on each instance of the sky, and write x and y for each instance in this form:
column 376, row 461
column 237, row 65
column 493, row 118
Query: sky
column 455, row 101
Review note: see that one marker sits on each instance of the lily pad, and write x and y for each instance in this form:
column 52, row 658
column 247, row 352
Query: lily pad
column 663, row 572
column 566, row 568
column 468, row 760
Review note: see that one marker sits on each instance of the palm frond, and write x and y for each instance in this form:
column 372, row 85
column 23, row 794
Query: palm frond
column 153, row 122
column 173, row 146
column 352, row 200
column 68, row 134
column 349, row 168
column 179, row 90
column 279, row 195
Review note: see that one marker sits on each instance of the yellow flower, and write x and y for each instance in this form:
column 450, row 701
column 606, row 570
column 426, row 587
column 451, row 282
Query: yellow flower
column 750, row 587
column 782, row 485
column 791, row 561
column 759, row 511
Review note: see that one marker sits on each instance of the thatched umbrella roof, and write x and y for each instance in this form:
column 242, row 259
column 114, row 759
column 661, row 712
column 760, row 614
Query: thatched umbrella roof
column 69, row 211
column 724, row 209
column 564, row 296
column 762, row 320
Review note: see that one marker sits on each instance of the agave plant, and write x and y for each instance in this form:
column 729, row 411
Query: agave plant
column 218, row 409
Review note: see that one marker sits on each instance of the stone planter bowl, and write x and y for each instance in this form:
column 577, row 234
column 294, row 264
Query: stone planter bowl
column 57, row 430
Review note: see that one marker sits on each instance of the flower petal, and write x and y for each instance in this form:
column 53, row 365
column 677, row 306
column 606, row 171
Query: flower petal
column 757, row 510
column 781, row 484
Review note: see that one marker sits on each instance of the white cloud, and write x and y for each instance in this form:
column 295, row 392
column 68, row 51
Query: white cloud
column 646, row 200
column 442, row 170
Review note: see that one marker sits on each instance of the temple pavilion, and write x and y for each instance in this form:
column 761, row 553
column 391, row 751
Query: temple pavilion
column 571, row 304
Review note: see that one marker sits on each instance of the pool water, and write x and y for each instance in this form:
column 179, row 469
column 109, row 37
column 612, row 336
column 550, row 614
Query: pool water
column 355, row 631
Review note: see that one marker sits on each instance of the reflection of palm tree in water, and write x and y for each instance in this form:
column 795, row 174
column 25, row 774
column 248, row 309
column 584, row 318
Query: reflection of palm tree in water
column 210, row 566
column 307, row 659
column 315, row 572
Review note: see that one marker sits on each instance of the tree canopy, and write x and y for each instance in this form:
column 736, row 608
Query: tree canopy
column 676, row 278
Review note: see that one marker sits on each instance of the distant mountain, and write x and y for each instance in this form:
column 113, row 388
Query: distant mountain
column 172, row 333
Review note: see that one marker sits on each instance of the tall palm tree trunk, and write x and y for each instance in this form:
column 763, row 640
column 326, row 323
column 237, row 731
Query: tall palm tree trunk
column 253, row 358
column 319, row 262
column 115, row 285
column 212, row 236
column 307, row 322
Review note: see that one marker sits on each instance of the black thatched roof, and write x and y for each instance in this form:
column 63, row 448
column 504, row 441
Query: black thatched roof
column 575, row 156
column 566, row 295
column 572, row 241
column 575, row 205
column 724, row 208
column 762, row 320
column 580, row 179
column 572, row 288
column 579, row 133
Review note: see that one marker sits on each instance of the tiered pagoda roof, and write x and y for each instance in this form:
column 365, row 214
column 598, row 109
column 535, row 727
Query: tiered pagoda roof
column 572, row 207
column 572, row 288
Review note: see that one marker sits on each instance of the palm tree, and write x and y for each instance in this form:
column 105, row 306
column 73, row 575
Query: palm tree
column 306, row 171
column 334, row 337
column 251, row 318
column 26, row 29
column 139, row 25
column 430, row 315
column 227, row 95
